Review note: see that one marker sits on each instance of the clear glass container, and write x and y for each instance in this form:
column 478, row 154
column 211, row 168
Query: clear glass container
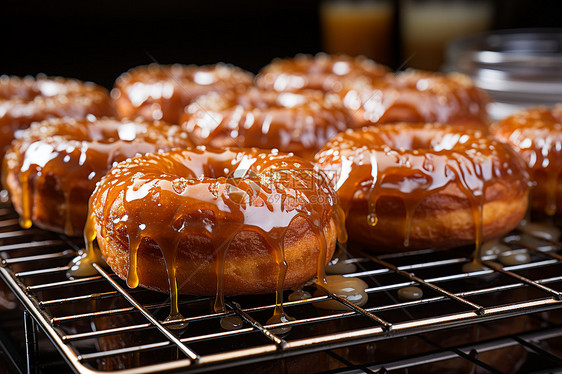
column 427, row 26
column 358, row 27
column 518, row 68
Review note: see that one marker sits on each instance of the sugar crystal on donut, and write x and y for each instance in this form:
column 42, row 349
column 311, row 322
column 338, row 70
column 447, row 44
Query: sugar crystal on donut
column 536, row 134
column 247, row 221
column 425, row 185
column 160, row 92
column 51, row 169
column 27, row 100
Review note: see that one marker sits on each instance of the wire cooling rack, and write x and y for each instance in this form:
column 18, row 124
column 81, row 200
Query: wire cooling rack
column 98, row 324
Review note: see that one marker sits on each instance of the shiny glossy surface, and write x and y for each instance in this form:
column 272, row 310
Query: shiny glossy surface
column 321, row 72
column 494, row 247
column 410, row 293
column 29, row 99
column 300, row 123
column 536, row 134
column 545, row 231
column 471, row 266
column 160, row 92
column 411, row 162
column 63, row 159
column 299, row 294
column 172, row 197
column 231, row 323
column 350, row 288
column 418, row 96
column 81, row 265
column 514, row 258
column 340, row 263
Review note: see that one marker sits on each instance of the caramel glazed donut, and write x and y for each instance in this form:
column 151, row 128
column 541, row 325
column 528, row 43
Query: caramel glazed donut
column 536, row 134
column 418, row 97
column 206, row 222
column 321, row 72
column 300, row 123
column 51, row 169
column 27, row 100
column 425, row 185
column 160, row 92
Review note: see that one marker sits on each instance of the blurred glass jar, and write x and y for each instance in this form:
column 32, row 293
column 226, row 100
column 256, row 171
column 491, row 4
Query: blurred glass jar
column 360, row 27
column 427, row 26
column 518, row 68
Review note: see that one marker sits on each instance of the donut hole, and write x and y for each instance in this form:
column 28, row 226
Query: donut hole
column 398, row 113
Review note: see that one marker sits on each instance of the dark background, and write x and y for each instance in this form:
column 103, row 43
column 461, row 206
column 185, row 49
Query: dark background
column 99, row 39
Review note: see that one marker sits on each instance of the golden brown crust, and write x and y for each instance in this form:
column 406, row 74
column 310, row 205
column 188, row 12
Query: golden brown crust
column 443, row 220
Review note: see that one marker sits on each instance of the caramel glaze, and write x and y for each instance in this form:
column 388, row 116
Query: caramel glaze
column 410, row 293
column 300, row 123
column 160, row 92
column 536, row 134
column 418, row 96
column 321, row 72
column 52, row 168
column 222, row 222
column 425, row 185
column 351, row 288
column 29, row 99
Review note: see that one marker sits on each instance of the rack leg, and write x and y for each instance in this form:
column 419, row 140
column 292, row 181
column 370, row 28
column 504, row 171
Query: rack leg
column 31, row 345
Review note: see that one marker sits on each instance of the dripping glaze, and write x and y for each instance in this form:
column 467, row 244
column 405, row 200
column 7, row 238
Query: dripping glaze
column 52, row 168
column 300, row 123
column 410, row 293
column 418, row 177
column 198, row 212
column 350, row 288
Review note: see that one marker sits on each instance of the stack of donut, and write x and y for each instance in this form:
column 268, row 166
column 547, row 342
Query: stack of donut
column 402, row 160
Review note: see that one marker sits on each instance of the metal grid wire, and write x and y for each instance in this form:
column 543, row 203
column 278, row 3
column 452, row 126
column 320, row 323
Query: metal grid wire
column 98, row 324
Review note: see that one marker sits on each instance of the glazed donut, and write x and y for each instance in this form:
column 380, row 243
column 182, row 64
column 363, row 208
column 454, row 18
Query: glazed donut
column 425, row 185
column 321, row 72
column 536, row 134
column 416, row 96
column 179, row 217
column 300, row 123
column 27, row 100
column 161, row 92
column 51, row 169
